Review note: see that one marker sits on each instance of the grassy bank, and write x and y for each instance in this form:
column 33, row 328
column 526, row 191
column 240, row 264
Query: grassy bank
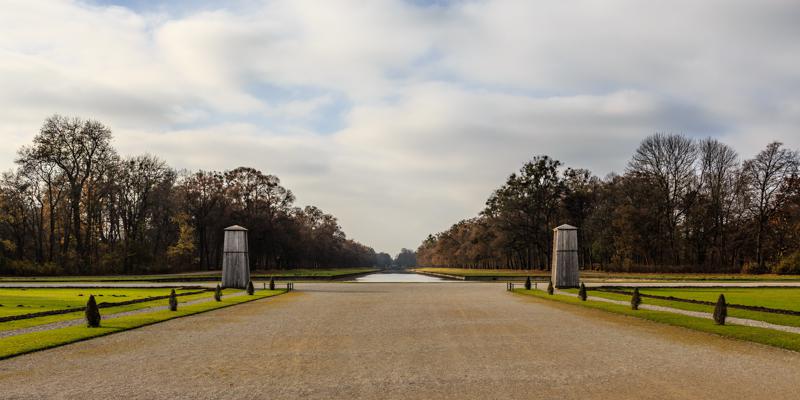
column 781, row 298
column 29, row 342
column 769, row 337
column 609, row 276
column 20, row 301
column 195, row 276
column 746, row 296
column 29, row 322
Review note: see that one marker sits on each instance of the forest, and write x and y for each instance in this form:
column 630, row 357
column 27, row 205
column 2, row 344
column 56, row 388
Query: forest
column 73, row 205
column 681, row 205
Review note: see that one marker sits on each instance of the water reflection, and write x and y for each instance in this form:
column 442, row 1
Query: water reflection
column 398, row 277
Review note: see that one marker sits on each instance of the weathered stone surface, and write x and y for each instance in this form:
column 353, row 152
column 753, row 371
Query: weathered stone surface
column 235, row 258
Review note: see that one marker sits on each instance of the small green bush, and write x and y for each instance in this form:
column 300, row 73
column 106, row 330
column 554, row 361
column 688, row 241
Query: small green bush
column 218, row 293
column 550, row 289
column 720, row 310
column 582, row 292
column 636, row 299
column 271, row 283
column 250, row 288
column 789, row 265
column 92, row 313
column 173, row 301
column 528, row 283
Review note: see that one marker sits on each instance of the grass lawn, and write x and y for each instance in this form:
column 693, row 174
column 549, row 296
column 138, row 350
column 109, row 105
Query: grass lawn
column 611, row 276
column 193, row 276
column 26, row 343
column 772, row 318
column 484, row 272
column 782, row 298
column 19, row 301
column 28, row 322
column 770, row 337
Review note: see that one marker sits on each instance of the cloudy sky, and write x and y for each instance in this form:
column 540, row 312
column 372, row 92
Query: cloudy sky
column 401, row 116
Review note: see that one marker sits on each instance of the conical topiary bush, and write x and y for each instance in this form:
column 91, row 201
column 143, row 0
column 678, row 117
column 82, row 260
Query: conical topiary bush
column 528, row 283
column 271, row 283
column 582, row 292
column 250, row 288
column 92, row 313
column 218, row 293
column 720, row 310
column 173, row 301
column 635, row 299
column 550, row 289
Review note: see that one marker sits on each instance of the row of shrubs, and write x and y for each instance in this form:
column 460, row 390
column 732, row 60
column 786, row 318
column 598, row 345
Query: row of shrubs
column 719, row 315
column 93, row 312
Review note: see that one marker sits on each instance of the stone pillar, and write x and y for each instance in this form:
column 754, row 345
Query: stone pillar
column 565, row 272
column 235, row 258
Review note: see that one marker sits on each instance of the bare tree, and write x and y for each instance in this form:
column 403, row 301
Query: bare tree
column 77, row 147
column 764, row 175
column 668, row 161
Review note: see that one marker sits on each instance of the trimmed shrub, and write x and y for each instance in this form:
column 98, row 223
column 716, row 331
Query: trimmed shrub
column 550, row 288
column 250, row 288
column 218, row 293
column 528, row 283
column 720, row 311
column 582, row 292
column 173, row 301
column 635, row 299
column 271, row 283
column 92, row 313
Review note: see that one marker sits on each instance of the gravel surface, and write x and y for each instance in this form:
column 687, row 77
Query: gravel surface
column 405, row 341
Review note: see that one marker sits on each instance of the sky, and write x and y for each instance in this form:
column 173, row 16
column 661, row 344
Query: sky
column 400, row 117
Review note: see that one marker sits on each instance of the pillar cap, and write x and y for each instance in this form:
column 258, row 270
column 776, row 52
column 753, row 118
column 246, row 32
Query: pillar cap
column 565, row 227
column 236, row 228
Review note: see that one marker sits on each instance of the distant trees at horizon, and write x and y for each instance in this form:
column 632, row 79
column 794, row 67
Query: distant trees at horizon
column 73, row 205
column 682, row 205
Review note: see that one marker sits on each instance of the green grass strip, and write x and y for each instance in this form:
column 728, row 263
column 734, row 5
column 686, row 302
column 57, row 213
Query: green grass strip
column 287, row 273
column 772, row 318
column 29, row 322
column 611, row 276
column 785, row 340
column 34, row 341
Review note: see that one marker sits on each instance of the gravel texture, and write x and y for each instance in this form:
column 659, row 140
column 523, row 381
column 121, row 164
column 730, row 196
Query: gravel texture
column 405, row 341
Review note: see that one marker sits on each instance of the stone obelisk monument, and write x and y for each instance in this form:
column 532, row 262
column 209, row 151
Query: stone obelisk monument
column 565, row 272
column 235, row 258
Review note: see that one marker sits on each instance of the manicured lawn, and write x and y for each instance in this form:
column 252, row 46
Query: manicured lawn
column 484, row 272
column 193, row 276
column 770, row 337
column 28, row 322
column 26, row 343
column 773, row 318
column 610, row 276
column 18, row 301
column 781, row 298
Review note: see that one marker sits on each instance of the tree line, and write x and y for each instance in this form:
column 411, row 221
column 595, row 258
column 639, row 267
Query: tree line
column 74, row 205
column 682, row 205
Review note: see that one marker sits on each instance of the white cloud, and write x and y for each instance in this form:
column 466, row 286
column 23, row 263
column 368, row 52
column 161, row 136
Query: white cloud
column 397, row 117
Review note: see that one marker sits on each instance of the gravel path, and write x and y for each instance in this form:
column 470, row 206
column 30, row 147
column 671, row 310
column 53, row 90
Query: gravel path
column 82, row 321
column 401, row 341
column 697, row 314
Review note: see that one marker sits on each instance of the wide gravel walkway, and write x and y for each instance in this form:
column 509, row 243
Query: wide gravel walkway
column 405, row 341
